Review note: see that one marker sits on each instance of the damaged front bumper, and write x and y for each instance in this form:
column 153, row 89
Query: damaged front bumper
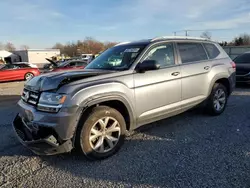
column 41, row 140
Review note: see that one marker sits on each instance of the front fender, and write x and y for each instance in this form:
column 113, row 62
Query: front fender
column 106, row 92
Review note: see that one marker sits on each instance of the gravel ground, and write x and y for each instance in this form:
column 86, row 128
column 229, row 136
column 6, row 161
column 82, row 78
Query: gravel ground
column 189, row 150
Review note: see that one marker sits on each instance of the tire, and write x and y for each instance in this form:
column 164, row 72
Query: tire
column 28, row 76
column 85, row 131
column 212, row 106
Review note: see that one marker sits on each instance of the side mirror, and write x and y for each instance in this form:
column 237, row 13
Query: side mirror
column 147, row 65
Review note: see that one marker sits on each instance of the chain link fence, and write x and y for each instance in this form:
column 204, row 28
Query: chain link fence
column 234, row 51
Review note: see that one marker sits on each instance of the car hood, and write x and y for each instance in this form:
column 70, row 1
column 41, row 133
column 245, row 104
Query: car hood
column 54, row 80
column 52, row 62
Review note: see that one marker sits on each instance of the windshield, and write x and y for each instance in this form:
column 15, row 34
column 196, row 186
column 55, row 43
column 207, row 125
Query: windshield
column 244, row 58
column 62, row 64
column 117, row 58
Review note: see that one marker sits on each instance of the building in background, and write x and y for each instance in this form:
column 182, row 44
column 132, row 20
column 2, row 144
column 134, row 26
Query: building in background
column 8, row 57
column 37, row 56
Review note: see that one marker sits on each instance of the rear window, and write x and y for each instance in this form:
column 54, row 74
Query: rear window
column 244, row 58
column 212, row 50
column 191, row 52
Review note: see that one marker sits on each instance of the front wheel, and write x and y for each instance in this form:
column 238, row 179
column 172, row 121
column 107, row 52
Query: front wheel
column 28, row 76
column 101, row 134
column 217, row 100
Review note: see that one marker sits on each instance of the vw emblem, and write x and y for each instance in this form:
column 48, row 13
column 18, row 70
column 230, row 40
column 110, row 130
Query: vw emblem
column 26, row 96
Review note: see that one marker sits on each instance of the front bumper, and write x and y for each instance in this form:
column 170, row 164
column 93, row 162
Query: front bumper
column 41, row 140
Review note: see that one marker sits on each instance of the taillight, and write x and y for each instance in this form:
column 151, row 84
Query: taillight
column 233, row 65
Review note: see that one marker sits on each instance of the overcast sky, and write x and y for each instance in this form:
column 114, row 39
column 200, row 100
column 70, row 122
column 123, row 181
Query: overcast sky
column 42, row 23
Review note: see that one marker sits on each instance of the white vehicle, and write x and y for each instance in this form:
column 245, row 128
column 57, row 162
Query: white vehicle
column 86, row 56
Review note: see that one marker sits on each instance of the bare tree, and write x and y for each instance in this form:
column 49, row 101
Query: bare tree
column 88, row 45
column 241, row 40
column 9, row 47
column 206, row 34
column 246, row 39
column 25, row 47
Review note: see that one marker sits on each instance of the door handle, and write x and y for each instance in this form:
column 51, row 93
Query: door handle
column 206, row 67
column 175, row 73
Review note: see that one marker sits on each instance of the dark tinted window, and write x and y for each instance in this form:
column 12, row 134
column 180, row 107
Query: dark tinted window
column 212, row 50
column 72, row 64
column 191, row 52
column 9, row 66
column 81, row 63
column 22, row 65
column 244, row 58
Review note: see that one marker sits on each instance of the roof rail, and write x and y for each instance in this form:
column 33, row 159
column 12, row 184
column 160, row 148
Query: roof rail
column 178, row 37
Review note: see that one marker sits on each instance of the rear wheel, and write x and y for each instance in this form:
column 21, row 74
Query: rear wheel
column 217, row 100
column 28, row 76
column 101, row 134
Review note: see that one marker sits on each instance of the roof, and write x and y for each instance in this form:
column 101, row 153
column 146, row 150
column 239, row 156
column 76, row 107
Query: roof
column 162, row 38
column 139, row 42
column 178, row 37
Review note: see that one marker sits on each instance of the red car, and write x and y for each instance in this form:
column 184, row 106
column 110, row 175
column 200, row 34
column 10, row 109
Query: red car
column 67, row 65
column 18, row 71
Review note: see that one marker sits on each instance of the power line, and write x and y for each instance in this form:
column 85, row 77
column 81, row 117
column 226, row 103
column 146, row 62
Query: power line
column 188, row 30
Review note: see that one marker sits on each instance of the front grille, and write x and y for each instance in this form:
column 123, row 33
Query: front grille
column 20, row 134
column 30, row 97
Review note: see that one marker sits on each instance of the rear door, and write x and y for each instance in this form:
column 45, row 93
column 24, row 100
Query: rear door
column 194, row 68
column 243, row 67
column 9, row 73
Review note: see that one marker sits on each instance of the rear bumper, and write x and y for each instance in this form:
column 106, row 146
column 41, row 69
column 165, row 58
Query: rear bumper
column 41, row 140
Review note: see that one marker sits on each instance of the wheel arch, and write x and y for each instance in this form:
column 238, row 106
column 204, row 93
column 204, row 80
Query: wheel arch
column 223, row 79
column 113, row 101
column 117, row 102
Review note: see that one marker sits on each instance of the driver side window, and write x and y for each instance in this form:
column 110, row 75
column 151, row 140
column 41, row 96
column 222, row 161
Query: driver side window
column 163, row 54
column 10, row 66
column 72, row 64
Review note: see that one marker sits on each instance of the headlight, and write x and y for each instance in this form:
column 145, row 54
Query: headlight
column 51, row 102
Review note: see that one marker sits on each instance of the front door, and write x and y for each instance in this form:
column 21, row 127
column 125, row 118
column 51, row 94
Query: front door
column 158, row 92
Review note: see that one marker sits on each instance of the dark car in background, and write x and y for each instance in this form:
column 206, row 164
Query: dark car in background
column 64, row 65
column 243, row 68
column 18, row 71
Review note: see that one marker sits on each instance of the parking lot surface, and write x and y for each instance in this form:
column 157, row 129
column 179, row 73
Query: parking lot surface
column 189, row 150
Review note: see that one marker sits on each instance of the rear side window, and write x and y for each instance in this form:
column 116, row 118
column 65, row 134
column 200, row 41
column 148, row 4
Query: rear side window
column 191, row 52
column 244, row 58
column 72, row 64
column 22, row 66
column 212, row 50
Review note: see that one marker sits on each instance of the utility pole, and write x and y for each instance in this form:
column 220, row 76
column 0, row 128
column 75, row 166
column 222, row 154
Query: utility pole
column 186, row 33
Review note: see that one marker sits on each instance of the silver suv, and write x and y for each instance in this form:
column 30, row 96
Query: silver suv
column 127, row 86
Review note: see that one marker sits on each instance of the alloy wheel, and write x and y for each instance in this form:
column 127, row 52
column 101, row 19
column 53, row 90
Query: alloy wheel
column 104, row 134
column 28, row 76
column 219, row 99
